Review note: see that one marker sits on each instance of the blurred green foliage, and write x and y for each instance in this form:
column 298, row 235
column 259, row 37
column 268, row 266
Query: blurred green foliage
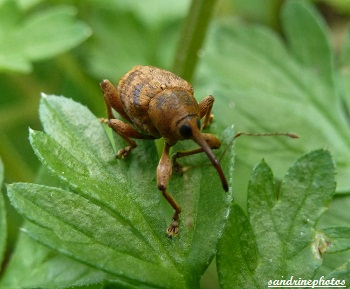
column 113, row 37
column 66, row 47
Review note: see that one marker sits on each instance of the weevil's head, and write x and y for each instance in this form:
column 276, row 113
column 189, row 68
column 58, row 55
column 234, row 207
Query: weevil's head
column 170, row 107
column 189, row 128
column 175, row 113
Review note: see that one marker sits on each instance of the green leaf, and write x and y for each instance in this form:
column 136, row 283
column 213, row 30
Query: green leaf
column 300, row 22
column 237, row 253
column 277, row 237
column 52, row 32
column 344, row 64
column 3, row 223
column 341, row 273
column 265, row 84
column 112, row 217
column 27, row 4
column 339, row 6
column 162, row 12
column 42, row 267
column 40, row 36
column 334, row 239
column 129, row 33
column 338, row 215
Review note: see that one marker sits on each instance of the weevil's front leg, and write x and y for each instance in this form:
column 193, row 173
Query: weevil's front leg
column 164, row 171
column 205, row 107
column 126, row 131
column 211, row 140
column 112, row 100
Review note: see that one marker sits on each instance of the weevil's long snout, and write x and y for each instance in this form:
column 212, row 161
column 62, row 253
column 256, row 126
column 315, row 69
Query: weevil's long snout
column 197, row 137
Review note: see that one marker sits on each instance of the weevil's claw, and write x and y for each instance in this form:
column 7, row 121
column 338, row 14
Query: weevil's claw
column 123, row 153
column 103, row 120
column 173, row 229
column 177, row 168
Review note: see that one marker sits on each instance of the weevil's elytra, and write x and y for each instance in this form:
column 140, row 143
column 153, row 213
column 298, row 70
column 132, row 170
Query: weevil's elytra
column 137, row 93
column 158, row 103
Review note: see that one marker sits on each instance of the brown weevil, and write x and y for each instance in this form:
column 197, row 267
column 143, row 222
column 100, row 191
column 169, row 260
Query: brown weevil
column 158, row 103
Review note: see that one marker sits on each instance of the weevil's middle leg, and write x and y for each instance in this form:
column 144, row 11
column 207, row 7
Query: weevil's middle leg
column 127, row 132
column 211, row 140
column 164, row 171
column 205, row 107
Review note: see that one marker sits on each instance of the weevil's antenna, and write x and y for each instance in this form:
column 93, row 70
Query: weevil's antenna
column 291, row 135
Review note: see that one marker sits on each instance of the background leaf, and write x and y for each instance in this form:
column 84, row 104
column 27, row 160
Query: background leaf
column 132, row 29
column 122, row 230
column 45, row 39
column 277, row 238
column 3, row 222
column 261, row 86
column 314, row 52
column 40, row 36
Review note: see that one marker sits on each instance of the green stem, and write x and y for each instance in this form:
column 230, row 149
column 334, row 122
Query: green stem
column 193, row 35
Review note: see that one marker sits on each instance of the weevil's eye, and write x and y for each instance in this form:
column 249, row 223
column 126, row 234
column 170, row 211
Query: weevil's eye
column 186, row 130
column 198, row 123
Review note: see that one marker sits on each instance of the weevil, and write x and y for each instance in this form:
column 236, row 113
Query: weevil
column 157, row 103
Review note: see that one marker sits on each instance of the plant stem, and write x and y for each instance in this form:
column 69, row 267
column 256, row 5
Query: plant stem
column 193, row 35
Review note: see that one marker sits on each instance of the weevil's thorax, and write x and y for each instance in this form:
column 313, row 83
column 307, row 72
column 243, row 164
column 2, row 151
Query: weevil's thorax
column 140, row 86
column 171, row 107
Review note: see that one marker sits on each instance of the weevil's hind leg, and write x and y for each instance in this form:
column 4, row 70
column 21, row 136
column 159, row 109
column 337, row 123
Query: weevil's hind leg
column 211, row 140
column 127, row 132
column 164, row 171
column 112, row 100
column 205, row 107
